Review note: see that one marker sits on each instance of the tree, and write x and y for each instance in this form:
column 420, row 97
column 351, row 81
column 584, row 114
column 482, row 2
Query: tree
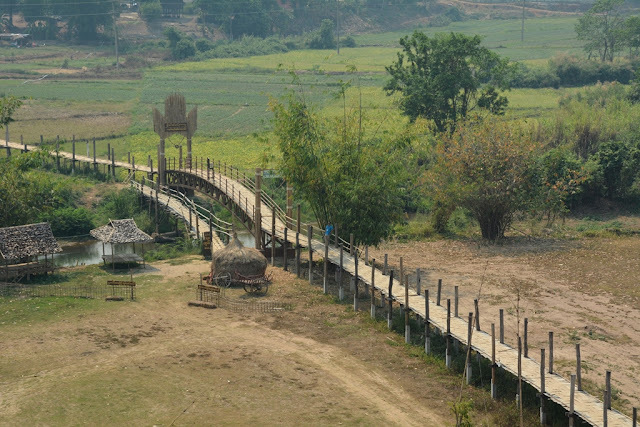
column 8, row 106
column 632, row 34
column 445, row 77
column 323, row 38
column 351, row 181
column 602, row 28
column 488, row 168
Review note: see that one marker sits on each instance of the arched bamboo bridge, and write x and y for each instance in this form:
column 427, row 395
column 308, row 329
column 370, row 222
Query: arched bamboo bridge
column 243, row 195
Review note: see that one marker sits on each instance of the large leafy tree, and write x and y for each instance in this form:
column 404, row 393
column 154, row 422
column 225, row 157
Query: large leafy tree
column 487, row 167
column 445, row 77
column 602, row 29
column 8, row 106
column 350, row 181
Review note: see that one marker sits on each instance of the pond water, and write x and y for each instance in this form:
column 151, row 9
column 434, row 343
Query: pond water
column 89, row 252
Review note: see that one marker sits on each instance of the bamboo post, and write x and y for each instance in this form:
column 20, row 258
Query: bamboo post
column 113, row 162
column 526, row 332
column 551, row 352
column 634, row 418
column 325, row 277
column 257, row 206
column 469, row 332
column 335, row 235
column 607, row 385
column 572, row 394
column 373, row 288
column 605, row 420
column 355, row 296
column 298, row 254
column 427, row 326
column 289, row 206
column 385, row 267
column 578, row 368
column 273, row 236
column 340, row 288
column 448, row 337
column 298, row 216
column 366, row 255
column 284, row 251
column 309, row 236
column 73, row 153
column 351, row 251
column 455, row 301
column 356, row 277
column 407, row 326
column 501, row 326
column 95, row 164
column 418, row 282
column 390, row 298
column 543, row 415
column 494, row 385
column 475, row 303
column 519, row 372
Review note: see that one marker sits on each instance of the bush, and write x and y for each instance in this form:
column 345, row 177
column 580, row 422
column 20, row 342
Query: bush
column 348, row 42
column 248, row 46
column 185, row 48
column 69, row 221
column 323, row 38
column 203, row 45
column 151, row 11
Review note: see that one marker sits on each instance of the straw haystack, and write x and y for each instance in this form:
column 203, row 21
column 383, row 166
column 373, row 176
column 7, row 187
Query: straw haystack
column 235, row 258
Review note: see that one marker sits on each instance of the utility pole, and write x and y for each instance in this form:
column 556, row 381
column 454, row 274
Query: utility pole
column 115, row 29
column 338, row 25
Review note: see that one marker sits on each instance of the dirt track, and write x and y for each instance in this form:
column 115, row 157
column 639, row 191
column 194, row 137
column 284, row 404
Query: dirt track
column 157, row 361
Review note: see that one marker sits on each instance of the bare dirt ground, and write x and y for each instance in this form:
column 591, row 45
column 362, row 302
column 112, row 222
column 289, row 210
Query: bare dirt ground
column 586, row 291
column 158, row 362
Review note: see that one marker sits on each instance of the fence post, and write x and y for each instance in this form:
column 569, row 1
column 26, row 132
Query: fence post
column 572, row 394
column 284, row 254
column 427, row 326
column 340, row 288
column 373, row 288
column 351, row 252
column 273, row 236
column 390, row 298
column 447, row 356
column 439, row 291
column 469, row 334
column 551, row 352
column 526, row 332
column 494, row 386
column 543, row 415
column 501, row 326
column 475, row 303
column 73, row 154
column 309, row 236
column 455, row 301
column 325, row 278
column 298, row 254
column 386, row 264
column 257, row 205
column 407, row 326
column 418, row 282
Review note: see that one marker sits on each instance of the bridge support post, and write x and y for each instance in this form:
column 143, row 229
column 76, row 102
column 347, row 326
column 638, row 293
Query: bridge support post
column 543, row 414
column 95, row 164
column 289, row 206
column 447, row 356
column 427, row 326
column 390, row 298
column 258, row 216
column 73, row 154
column 309, row 239
column 494, row 386
column 189, row 159
column 161, row 163
column 373, row 289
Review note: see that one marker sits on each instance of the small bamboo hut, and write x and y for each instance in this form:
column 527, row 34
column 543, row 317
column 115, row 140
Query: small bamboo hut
column 22, row 246
column 121, row 231
column 235, row 259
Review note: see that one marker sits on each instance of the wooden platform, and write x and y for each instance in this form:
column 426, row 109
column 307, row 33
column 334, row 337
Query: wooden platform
column 18, row 271
column 122, row 259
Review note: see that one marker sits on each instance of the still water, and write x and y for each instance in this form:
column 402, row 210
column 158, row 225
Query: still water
column 89, row 252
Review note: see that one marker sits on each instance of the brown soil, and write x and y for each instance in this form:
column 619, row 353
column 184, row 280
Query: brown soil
column 158, row 362
column 585, row 291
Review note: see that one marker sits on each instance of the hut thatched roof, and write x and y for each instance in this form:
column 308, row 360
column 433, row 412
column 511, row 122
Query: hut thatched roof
column 27, row 240
column 120, row 231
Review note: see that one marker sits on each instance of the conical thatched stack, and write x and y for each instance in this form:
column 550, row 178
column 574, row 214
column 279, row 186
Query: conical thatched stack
column 235, row 258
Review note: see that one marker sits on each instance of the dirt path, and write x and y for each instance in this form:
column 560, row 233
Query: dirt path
column 584, row 291
column 159, row 362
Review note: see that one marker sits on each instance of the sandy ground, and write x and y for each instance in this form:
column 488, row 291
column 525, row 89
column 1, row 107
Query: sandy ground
column 585, row 291
column 158, row 362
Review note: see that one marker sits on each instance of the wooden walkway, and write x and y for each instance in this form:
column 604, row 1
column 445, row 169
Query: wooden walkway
column 179, row 209
column 557, row 389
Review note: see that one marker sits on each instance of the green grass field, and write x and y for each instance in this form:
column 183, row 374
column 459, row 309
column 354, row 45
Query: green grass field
column 232, row 94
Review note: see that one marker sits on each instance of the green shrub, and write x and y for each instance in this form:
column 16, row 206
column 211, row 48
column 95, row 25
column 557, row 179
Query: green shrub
column 323, row 38
column 185, row 49
column 69, row 221
column 151, row 11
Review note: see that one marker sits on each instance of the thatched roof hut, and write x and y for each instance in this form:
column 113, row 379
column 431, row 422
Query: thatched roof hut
column 235, row 258
column 120, row 231
column 26, row 241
